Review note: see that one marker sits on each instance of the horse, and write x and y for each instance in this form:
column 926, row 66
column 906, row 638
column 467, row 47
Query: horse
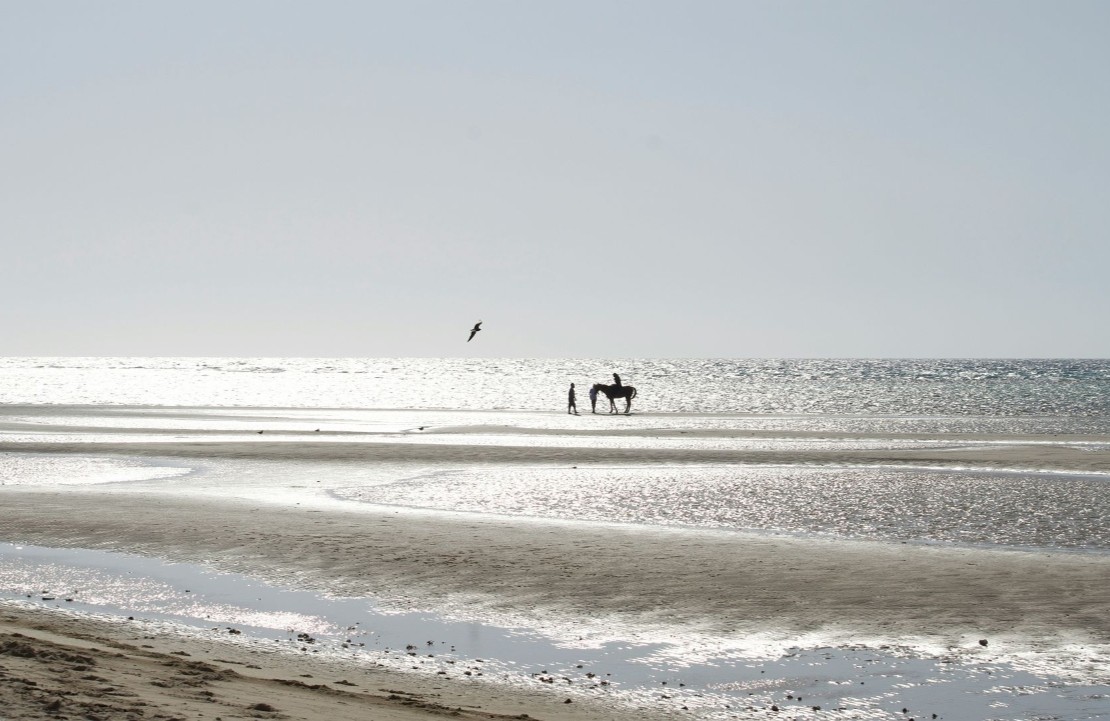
column 614, row 392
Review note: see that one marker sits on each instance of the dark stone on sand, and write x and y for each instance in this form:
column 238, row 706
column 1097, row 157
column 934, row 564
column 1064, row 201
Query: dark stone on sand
column 982, row 642
column 263, row 707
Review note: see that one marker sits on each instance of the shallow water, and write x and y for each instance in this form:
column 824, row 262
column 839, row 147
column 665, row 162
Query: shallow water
column 711, row 678
column 26, row 469
column 975, row 508
column 734, row 406
column 1048, row 510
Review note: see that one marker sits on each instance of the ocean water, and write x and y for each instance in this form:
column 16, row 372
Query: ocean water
column 682, row 406
column 494, row 407
column 1072, row 393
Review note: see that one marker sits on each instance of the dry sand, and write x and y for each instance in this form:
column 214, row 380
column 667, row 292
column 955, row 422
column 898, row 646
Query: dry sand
column 59, row 666
column 726, row 584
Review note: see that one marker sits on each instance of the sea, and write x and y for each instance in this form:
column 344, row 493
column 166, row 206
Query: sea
column 681, row 405
column 1072, row 395
column 876, row 404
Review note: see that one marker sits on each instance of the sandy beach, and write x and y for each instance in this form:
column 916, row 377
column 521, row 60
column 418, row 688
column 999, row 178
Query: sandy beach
column 59, row 666
column 722, row 587
column 723, row 583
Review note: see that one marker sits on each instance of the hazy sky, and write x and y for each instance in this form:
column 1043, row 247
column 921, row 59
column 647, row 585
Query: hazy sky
column 669, row 179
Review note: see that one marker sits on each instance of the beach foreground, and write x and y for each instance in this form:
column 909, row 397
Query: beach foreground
column 727, row 585
column 716, row 611
column 59, row 666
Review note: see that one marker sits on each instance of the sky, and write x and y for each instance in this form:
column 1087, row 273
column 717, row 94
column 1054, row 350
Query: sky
column 865, row 178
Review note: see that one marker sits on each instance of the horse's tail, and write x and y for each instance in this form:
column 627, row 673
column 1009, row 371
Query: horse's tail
column 632, row 392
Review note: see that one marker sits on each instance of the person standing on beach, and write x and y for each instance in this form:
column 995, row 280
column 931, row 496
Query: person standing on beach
column 571, row 407
column 593, row 398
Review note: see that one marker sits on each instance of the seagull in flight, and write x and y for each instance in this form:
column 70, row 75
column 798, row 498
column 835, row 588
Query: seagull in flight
column 474, row 331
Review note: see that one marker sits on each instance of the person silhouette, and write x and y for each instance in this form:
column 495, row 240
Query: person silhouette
column 617, row 380
column 571, row 407
column 593, row 398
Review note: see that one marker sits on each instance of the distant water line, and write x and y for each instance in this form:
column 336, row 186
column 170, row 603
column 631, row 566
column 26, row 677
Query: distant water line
column 1075, row 389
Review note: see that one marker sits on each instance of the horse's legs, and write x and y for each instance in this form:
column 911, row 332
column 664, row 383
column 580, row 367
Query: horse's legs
column 627, row 405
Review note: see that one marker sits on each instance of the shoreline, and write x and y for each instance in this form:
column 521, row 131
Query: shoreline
column 1046, row 616
column 710, row 591
column 55, row 664
column 724, row 583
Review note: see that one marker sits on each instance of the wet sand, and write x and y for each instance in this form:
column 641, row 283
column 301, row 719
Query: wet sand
column 1049, row 454
column 727, row 585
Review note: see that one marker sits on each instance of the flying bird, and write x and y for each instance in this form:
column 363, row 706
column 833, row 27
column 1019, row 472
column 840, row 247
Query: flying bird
column 474, row 331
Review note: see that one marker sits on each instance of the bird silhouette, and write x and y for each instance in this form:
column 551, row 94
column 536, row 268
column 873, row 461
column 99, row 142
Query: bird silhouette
column 474, row 331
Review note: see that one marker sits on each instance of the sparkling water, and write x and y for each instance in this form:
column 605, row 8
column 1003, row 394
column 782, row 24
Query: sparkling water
column 1073, row 395
column 80, row 425
column 681, row 406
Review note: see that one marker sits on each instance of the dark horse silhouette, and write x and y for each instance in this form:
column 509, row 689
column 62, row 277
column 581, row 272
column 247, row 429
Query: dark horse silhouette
column 614, row 392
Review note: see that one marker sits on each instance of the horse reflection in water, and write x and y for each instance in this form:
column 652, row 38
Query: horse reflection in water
column 614, row 392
